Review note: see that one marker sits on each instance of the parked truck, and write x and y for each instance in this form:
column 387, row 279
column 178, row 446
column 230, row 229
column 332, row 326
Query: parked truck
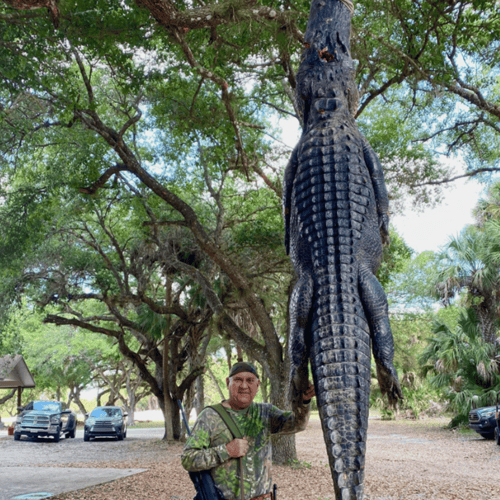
column 45, row 419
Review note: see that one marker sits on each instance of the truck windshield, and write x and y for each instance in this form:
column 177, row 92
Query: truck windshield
column 106, row 412
column 47, row 406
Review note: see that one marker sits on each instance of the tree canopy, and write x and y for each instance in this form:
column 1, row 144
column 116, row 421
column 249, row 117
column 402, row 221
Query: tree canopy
column 141, row 158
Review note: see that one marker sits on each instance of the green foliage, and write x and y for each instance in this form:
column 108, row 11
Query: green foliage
column 414, row 284
column 461, row 364
column 298, row 464
column 417, row 400
column 466, row 267
column 394, row 258
column 406, row 160
column 423, row 57
column 410, row 332
column 131, row 152
column 58, row 357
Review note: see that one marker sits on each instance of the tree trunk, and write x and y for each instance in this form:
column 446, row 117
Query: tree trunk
column 78, row 401
column 168, row 413
column 175, row 420
column 190, row 401
column 487, row 320
column 263, row 387
column 284, row 450
column 227, row 349
column 200, row 394
column 167, row 400
column 239, row 353
column 100, row 395
column 216, row 383
column 9, row 396
column 130, row 408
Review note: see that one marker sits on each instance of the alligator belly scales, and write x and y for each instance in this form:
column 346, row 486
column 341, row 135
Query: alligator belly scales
column 335, row 211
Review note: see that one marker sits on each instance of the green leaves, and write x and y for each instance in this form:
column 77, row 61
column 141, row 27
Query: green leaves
column 462, row 363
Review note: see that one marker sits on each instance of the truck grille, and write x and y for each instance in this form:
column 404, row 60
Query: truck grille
column 36, row 421
column 103, row 426
column 474, row 417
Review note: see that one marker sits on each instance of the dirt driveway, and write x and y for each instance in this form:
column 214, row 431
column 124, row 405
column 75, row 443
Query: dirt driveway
column 405, row 461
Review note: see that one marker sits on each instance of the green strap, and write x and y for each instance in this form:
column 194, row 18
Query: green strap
column 228, row 420
column 235, row 431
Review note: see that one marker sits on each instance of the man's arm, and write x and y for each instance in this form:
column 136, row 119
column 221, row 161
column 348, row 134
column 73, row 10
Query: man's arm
column 290, row 422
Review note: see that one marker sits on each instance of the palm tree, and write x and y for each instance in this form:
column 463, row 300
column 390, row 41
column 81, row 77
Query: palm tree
column 468, row 266
column 462, row 364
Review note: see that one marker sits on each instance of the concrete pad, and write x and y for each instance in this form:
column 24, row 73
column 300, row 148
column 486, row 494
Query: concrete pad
column 20, row 481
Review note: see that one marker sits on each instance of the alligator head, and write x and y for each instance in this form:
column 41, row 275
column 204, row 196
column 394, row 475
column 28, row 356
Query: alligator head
column 327, row 70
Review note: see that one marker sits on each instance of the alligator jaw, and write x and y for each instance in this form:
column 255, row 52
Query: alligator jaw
column 326, row 68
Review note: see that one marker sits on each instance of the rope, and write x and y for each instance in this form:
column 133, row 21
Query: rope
column 349, row 5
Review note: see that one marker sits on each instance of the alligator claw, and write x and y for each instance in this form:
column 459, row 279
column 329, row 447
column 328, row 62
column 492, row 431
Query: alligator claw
column 389, row 384
column 299, row 383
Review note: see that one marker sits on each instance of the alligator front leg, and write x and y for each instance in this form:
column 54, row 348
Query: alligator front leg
column 298, row 342
column 375, row 304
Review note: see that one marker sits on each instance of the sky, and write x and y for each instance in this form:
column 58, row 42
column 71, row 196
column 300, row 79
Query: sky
column 432, row 228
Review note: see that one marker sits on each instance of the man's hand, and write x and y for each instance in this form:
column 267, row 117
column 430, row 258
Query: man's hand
column 308, row 394
column 237, row 448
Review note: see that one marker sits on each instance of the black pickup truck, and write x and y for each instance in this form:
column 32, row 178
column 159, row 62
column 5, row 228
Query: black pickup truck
column 483, row 421
column 45, row 419
column 497, row 416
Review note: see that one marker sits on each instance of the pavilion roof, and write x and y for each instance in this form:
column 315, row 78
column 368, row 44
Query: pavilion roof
column 14, row 372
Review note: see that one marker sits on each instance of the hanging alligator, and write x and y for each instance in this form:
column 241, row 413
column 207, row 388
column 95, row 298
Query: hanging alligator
column 336, row 221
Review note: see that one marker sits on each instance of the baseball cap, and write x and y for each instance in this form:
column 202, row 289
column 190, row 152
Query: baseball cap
column 243, row 367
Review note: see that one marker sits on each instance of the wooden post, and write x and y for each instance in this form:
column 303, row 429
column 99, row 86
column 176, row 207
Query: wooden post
column 19, row 392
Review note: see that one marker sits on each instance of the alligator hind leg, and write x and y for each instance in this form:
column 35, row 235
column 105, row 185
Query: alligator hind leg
column 298, row 342
column 376, row 308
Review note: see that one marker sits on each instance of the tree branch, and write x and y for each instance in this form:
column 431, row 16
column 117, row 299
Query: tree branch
column 103, row 179
column 451, row 179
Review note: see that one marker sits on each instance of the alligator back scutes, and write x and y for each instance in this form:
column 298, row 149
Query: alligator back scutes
column 336, row 218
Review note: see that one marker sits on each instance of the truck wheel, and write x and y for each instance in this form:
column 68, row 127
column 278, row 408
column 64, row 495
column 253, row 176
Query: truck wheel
column 57, row 436
column 72, row 433
column 86, row 436
column 17, row 436
column 488, row 436
column 119, row 435
column 497, row 435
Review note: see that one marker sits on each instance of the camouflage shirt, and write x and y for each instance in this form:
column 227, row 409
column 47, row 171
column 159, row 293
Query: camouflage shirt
column 206, row 447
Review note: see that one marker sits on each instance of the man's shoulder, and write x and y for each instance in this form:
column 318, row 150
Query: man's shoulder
column 263, row 406
column 209, row 415
column 266, row 409
column 208, row 409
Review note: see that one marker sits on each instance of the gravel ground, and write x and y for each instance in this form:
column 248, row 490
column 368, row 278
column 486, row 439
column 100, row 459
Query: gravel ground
column 43, row 452
column 405, row 461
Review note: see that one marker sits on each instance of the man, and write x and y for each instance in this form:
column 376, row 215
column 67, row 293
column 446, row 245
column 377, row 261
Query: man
column 211, row 444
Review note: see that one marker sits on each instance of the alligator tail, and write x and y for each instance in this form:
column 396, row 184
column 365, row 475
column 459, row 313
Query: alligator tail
column 340, row 358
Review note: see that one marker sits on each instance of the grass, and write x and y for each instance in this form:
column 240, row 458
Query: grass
column 298, row 464
column 147, row 425
column 466, row 431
